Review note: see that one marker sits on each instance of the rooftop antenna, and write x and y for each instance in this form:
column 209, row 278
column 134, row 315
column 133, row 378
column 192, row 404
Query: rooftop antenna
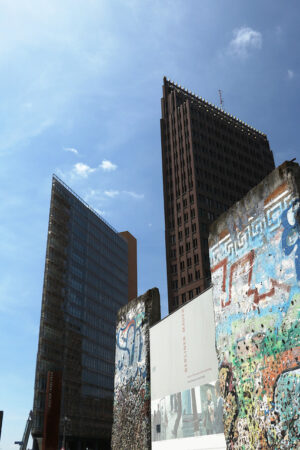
column 221, row 99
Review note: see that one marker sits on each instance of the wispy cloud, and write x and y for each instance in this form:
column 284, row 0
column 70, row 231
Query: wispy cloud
column 290, row 74
column 82, row 170
column 111, row 193
column 107, row 165
column 134, row 194
column 245, row 39
column 71, row 149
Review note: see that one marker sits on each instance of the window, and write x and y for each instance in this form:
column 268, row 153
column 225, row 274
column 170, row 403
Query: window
column 175, row 300
column 191, row 294
column 183, row 281
column 194, row 228
column 204, row 227
column 190, row 277
column 197, row 290
column 179, row 221
column 192, row 199
column 184, row 202
column 189, row 262
column 188, row 246
column 183, row 298
column 181, row 250
column 193, row 213
column 181, row 265
column 172, row 253
column 186, row 217
column 180, row 235
column 197, row 274
column 175, row 284
column 204, row 244
column 174, row 268
column 172, row 239
column 187, row 232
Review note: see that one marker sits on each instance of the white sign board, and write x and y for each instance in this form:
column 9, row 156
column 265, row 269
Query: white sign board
column 186, row 407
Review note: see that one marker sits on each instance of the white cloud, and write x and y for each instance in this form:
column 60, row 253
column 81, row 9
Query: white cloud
column 71, row 149
column 108, row 166
column 245, row 39
column 290, row 74
column 111, row 193
column 82, row 170
column 134, row 194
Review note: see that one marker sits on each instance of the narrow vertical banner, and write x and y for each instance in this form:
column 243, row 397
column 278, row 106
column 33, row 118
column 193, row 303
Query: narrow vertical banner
column 255, row 265
column 132, row 417
column 52, row 411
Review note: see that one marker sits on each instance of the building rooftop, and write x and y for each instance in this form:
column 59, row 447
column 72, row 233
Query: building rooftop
column 215, row 110
column 55, row 177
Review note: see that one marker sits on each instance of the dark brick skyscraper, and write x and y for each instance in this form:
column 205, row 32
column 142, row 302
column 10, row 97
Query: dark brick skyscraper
column 210, row 160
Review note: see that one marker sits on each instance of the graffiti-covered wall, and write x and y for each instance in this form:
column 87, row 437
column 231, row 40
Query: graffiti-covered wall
column 132, row 417
column 255, row 265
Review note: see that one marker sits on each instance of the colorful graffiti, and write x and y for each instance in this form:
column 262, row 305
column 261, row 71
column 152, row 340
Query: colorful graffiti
column 132, row 420
column 256, row 292
column 130, row 349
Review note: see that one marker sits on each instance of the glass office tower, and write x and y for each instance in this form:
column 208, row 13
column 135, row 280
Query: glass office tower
column 85, row 284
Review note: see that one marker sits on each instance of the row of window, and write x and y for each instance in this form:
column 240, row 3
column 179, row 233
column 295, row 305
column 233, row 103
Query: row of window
column 98, row 336
column 172, row 238
column 97, row 379
column 104, row 248
column 94, row 269
column 94, row 391
column 103, row 306
column 99, row 284
column 97, row 364
column 91, row 319
column 174, row 283
column 98, row 258
column 187, row 296
column 83, row 214
column 98, row 350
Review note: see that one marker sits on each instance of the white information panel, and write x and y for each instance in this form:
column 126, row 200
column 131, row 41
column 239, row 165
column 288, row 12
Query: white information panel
column 186, row 406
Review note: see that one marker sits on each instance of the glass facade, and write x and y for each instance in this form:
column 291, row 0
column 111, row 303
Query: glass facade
column 85, row 284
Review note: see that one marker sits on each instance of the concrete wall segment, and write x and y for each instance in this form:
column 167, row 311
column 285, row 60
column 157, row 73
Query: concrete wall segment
column 255, row 265
column 132, row 415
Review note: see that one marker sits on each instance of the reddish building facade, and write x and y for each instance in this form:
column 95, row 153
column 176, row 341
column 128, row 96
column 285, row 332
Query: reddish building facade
column 210, row 160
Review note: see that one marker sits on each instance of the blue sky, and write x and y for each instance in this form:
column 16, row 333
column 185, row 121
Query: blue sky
column 80, row 97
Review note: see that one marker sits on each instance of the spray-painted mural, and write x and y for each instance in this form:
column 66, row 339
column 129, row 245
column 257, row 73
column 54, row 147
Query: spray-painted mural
column 254, row 255
column 132, row 420
column 130, row 348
